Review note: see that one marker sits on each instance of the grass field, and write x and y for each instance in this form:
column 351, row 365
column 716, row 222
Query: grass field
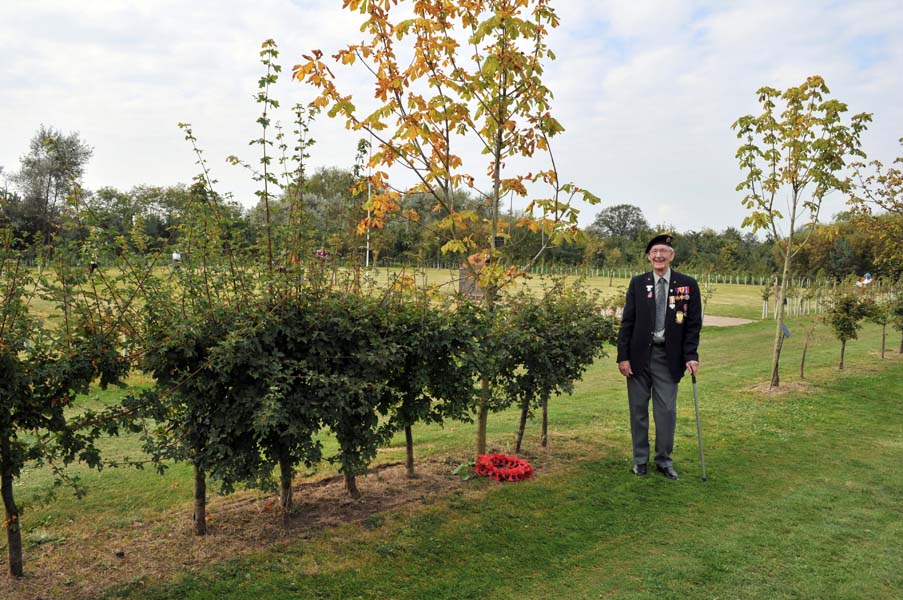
column 728, row 300
column 803, row 501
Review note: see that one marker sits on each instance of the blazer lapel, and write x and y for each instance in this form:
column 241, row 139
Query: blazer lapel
column 649, row 283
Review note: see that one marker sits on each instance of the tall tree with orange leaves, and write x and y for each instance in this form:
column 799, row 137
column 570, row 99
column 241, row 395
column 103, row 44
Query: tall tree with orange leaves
column 448, row 75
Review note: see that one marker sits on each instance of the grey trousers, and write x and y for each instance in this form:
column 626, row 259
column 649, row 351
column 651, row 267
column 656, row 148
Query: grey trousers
column 655, row 382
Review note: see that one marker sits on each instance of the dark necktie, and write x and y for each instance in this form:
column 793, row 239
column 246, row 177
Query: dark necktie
column 660, row 294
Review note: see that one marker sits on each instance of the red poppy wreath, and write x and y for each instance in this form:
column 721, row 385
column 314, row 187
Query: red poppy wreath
column 503, row 467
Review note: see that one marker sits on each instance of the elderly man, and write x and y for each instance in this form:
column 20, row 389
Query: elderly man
column 657, row 343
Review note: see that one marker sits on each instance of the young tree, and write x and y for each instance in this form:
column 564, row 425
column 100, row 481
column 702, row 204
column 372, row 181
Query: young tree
column 845, row 318
column 808, row 337
column 199, row 419
column 492, row 94
column 352, row 354
column 766, row 293
column 708, row 290
column 44, row 366
column 878, row 312
column 896, row 315
column 797, row 150
column 558, row 337
column 188, row 313
column 265, row 365
column 880, row 188
column 435, row 376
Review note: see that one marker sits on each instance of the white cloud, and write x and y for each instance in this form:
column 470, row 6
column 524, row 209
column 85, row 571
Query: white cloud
column 647, row 90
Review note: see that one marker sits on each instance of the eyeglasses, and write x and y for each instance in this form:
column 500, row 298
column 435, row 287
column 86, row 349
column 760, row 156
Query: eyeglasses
column 664, row 251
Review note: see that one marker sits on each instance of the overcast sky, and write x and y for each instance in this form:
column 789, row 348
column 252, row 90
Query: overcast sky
column 647, row 90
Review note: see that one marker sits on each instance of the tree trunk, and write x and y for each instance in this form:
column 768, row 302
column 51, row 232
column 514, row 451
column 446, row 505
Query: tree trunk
column 200, row 501
column 13, row 531
column 286, row 475
column 775, row 368
column 409, row 445
column 482, row 415
column 524, row 410
column 780, row 295
column 803, row 360
column 843, row 347
column 545, row 422
column 901, row 346
column 351, row 486
column 883, row 339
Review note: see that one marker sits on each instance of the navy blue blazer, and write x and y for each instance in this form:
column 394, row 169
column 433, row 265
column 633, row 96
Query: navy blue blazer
column 683, row 323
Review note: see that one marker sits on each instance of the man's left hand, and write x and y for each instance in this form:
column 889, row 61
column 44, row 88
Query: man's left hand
column 693, row 366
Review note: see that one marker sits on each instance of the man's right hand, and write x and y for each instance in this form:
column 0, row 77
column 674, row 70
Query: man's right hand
column 624, row 368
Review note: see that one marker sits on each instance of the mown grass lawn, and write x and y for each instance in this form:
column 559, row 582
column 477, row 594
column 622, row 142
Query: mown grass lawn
column 804, row 499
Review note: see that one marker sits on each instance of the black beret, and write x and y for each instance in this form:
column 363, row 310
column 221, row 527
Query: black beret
column 664, row 238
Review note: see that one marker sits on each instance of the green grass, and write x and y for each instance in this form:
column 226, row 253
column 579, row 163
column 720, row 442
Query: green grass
column 802, row 502
column 803, row 498
column 727, row 300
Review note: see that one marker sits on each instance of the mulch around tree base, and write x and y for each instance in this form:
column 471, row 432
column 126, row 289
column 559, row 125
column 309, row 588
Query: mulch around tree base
column 89, row 561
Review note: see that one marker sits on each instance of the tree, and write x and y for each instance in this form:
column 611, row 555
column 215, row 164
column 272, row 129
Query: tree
column 557, row 337
column 354, row 353
column 199, row 419
column 620, row 221
column 188, row 314
column 435, row 376
column 879, row 186
column 495, row 96
column 112, row 210
column 43, row 367
column 797, row 151
column 878, row 312
column 845, row 318
column 264, row 366
column 52, row 168
column 808, row 337
column 896, row 315
column 880, row 189
column 146, row 216
column 7, row 198
column 838, row 249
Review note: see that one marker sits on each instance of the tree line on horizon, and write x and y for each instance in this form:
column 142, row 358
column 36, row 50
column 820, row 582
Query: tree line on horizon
column 33, row 199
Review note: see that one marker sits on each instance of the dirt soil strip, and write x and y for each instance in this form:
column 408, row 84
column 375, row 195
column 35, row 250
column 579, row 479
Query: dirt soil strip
column 90, row 560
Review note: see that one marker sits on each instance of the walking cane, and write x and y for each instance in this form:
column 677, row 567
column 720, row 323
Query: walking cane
column 698, row 427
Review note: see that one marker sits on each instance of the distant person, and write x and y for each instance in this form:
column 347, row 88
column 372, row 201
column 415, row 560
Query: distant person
column 657, row 343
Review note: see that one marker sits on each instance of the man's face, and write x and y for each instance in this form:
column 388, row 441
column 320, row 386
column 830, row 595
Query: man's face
column 661, row 257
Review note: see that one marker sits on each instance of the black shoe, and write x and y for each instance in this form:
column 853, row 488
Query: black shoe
column 639, row 470
column 668, row 471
